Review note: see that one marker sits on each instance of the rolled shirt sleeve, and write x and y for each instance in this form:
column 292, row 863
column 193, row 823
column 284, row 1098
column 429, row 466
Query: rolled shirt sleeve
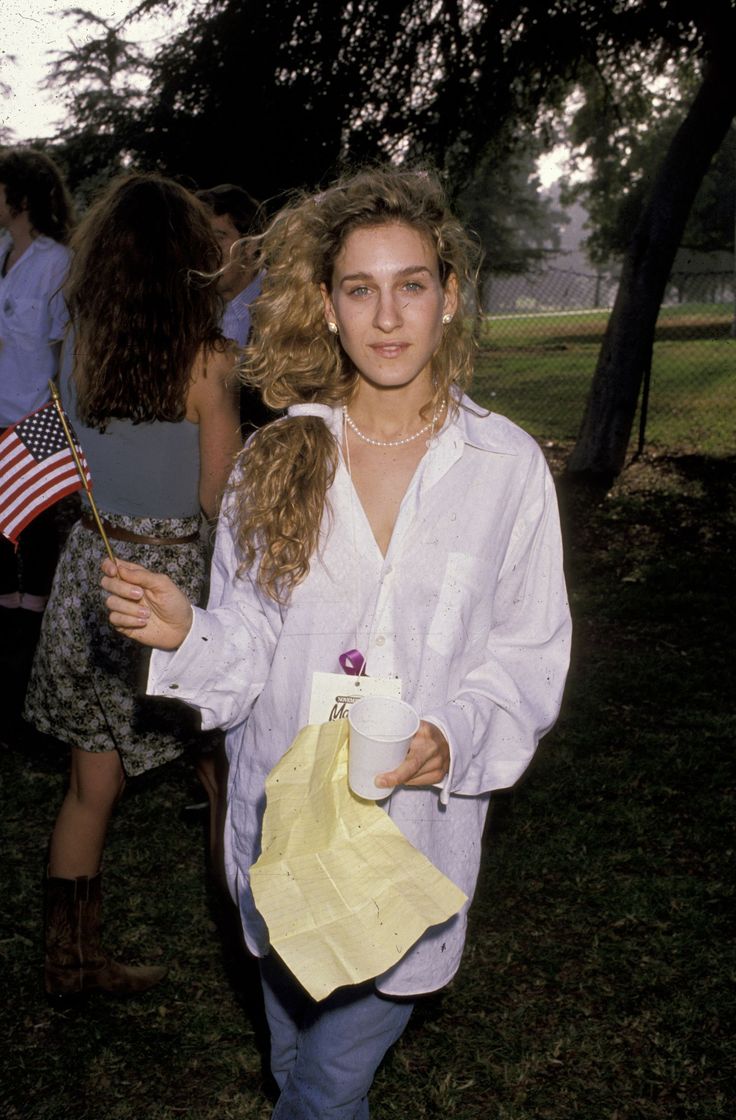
column 222, row 665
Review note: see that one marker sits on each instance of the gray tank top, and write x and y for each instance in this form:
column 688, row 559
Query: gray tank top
column 143, row 470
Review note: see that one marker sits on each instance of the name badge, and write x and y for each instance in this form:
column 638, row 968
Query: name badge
column 333, row 693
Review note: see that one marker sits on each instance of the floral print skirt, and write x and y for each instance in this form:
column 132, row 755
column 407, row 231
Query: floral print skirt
column 87, row 685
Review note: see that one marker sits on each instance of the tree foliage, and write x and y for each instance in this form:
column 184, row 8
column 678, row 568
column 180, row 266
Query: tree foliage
column 103, row 80
column 623, row 134
column 502, row 203
column 626, row 352
column 281, row 94
column 277, row 94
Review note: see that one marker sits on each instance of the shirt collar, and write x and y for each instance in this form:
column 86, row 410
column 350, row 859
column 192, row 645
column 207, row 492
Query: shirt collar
column 40, row 242
column 239, row 305
column 476, row 426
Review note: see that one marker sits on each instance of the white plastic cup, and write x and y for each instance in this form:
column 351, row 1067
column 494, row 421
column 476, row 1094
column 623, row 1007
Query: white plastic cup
column 381, row 729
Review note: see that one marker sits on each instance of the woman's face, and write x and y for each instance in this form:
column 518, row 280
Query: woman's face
column 388, row 302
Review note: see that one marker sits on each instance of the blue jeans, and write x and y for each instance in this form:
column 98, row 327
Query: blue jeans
column 324, row 1056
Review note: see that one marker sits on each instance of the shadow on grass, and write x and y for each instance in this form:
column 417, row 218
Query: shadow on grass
column 595, row 984
column 716, row 475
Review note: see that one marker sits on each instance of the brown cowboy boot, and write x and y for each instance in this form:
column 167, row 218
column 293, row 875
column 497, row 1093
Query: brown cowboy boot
column 75, row 960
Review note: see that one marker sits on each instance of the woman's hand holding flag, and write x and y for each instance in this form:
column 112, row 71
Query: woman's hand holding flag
column 146, row 606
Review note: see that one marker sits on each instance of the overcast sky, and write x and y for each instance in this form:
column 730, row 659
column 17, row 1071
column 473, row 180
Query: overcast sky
column 31, row 30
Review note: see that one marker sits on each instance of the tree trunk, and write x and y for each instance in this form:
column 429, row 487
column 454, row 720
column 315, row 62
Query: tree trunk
column 626, row 351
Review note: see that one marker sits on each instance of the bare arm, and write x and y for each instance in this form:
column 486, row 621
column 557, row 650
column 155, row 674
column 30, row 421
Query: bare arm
column 213, row 405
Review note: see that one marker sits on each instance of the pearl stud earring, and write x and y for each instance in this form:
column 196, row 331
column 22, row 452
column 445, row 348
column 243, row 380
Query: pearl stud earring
column 332, row 327
column 446, row 319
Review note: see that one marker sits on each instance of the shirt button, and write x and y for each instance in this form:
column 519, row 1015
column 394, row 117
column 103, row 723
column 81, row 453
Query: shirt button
column 380, row 640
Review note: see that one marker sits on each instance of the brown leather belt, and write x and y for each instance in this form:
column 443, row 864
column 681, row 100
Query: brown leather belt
column 117, row 533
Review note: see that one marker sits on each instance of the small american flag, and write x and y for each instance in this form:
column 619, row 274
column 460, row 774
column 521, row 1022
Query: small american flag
column 37, row 468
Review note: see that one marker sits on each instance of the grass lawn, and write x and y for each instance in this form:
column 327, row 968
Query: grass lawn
column 537, row 370
column 595, row 985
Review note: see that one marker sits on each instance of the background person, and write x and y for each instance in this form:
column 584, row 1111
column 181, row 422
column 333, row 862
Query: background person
column 147, row 381
column 387, row 513
column 234, row 215
column 36, row 217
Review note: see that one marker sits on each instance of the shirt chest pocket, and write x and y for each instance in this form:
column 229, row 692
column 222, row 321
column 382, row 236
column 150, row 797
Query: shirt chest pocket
column 462, row 616
column 25, row 320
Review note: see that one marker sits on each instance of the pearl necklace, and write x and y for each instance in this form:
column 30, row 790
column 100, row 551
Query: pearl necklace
column 391, row 442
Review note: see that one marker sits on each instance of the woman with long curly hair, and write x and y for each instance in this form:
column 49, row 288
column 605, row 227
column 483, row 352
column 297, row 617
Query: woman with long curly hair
column 384, row 512
column 148, row 382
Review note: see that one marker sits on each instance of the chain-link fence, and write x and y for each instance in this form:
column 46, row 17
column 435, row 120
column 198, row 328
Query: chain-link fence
column 540, row 339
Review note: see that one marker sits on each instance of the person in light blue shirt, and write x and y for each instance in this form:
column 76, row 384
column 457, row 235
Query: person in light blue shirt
column 36, row 217
column 235, row 217
column 236, row 320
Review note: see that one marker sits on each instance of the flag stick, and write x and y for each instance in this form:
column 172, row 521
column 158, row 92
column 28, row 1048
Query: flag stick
column 87, row 488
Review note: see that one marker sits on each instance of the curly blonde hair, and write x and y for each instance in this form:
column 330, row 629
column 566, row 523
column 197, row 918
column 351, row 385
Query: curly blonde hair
column 288, row 466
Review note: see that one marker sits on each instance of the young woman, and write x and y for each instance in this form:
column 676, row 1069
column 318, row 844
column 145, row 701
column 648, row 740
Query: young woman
column 386, row 512
column 37, row 215
column 148, row 382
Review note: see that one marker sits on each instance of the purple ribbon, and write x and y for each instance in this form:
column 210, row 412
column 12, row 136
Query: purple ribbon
column 352, row 662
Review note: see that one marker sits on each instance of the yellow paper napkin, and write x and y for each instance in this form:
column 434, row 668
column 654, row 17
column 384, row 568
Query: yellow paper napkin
column 343, row 892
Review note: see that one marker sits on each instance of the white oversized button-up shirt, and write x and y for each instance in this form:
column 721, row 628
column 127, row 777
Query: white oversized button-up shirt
column 468, row 608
